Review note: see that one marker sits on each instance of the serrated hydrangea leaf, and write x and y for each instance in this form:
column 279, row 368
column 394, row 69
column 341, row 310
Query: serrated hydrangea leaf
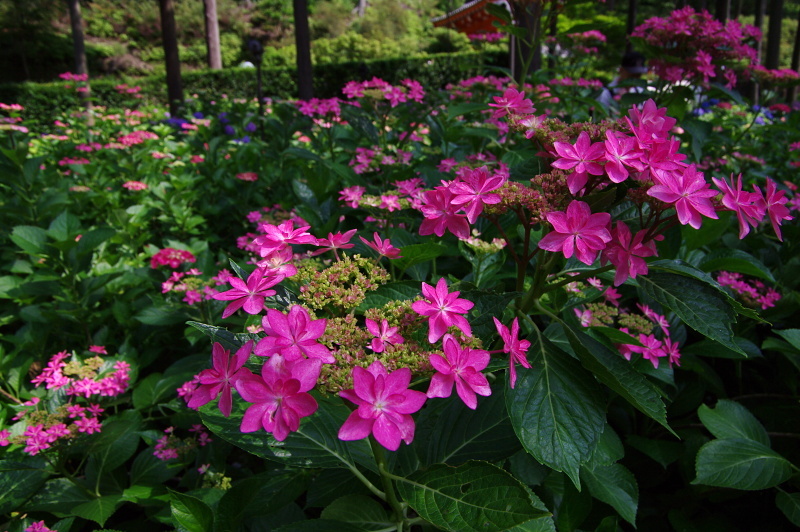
column 740, row 464
column 729, row 419
column 316, row 444
column 700, row 306
column 735, row 260
column 614, row 371
column 476, row 496
column 460, row 434
column 557, row 409
column 616, row 486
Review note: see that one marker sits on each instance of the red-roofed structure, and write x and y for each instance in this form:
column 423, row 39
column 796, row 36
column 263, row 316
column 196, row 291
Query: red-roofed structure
column 471, row 18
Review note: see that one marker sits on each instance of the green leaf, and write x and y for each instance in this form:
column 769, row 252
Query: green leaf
column 161, row 316
column 464, row 108
column 616, row 486
column 699, row 305
column 419, row 253
column 730, row 420
column 190, row 513
column 789, row 504
column 790, row 335
column 735, row 260
column 19, row 481
column 320, row 525
column 662, row 451
column 682, row 268
column 364, row 512
column 258, row 495
column 557, row 409
column 711, row 231
column 316, row 444
column 459, row 434
column 616, row 336
column 230, row 341
column 398, row 291
column 58, row 496
column 740, row 464
column 149, row 470
column 98, row 510
column 614, row 371
column 30, row 238
column 65, row 227
column 90, row 240
column 117, row 442
column 475, row 496
column 709, row 348
column 608, row 451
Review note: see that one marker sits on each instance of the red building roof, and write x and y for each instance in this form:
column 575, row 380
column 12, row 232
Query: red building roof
column 470, row 18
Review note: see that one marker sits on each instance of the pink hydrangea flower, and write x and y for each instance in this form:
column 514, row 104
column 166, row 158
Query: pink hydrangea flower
column 219, row 381
column 383, row 335
column 688, row 192
column 474, row 191
column 279, row 397
column 385, row 405
column 627, row 253
column 512, row 102
column 515, row 348
column 383, row 247
column 250, row 295
column 293, row 335
column 461, row 366
column 444, row 309
column 774, row 204
column 577, row 231
column 441, row 214
column 584, row 158
column 748, row 206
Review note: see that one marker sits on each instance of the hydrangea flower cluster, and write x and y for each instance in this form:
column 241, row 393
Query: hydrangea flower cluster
column 86, row 381
column 698, row 48
column 171, row 257
column 171, row 447
column 648, row 327
column 408, row 90
column 370, row 364
column 753, row 292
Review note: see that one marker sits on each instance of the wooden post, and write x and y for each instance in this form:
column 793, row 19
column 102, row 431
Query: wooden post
column 171, row 56
column 631, row 25
column 774, row 34
column 212, row 35
column 79, row 50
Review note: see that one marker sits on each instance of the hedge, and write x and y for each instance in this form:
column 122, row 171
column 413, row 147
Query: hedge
column 44, row 101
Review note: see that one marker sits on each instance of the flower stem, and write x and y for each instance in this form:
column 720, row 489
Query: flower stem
column 386, row 479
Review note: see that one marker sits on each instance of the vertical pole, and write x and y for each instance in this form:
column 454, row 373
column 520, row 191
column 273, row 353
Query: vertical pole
column 212, row 35
column 171, row 56
column 305, row 87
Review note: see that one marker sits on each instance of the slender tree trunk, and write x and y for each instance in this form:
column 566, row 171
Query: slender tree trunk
column 723, row 10
column 79, row 50
column 305, row 87
column 792, row 94
column 774, row 34
column 552, row 32
column 632, row 8
column 758, row 22
column 526, row 54
column 172, row 60
column 212, row 35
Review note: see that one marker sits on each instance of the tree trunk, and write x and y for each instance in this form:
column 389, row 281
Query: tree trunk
column 305, row 87
column 758, row 22
column 212, row 35
column 774, row 34
column 632, row 5
column 171, row 56
column 723, row 10
column 79, row 49
column 526, row 54
column 792, row 93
